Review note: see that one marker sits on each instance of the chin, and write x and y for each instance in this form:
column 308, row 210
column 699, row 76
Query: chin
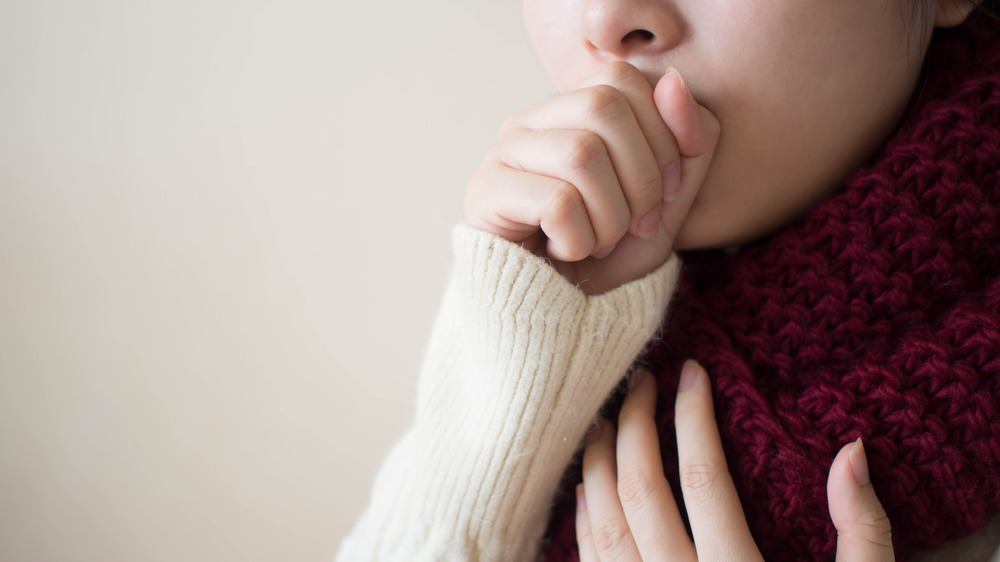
column 693, row 239
column 706, row 231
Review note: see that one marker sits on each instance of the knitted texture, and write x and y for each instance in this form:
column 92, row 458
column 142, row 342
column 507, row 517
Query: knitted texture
column 518, row 365
column 876, row 315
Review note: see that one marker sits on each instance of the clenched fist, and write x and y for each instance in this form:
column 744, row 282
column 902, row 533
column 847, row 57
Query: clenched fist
column 598, row 179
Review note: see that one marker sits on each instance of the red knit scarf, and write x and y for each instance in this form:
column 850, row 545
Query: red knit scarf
column 876, row 315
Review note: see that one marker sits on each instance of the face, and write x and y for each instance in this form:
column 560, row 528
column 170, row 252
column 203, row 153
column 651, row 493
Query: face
column 805, row 90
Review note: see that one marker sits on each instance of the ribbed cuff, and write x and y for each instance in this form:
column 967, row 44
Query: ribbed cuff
column 520, row 361
column 553, row 355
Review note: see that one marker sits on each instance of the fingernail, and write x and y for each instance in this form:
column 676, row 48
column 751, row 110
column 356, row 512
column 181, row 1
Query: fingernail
column 649, row 224
column 671, row 182
column 682, row 82
column 689, row 374
column 859, row 463
column 638, row 376
column 595, row 431
column 605, row 252
column 581, row 499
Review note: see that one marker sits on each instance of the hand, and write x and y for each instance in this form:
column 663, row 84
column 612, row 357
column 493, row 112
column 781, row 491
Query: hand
column 598, row 179
column 626, row 511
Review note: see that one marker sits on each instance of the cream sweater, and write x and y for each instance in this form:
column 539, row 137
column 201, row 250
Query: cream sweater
column 519, row 363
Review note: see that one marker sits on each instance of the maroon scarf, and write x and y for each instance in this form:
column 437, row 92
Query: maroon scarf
column 876, row 315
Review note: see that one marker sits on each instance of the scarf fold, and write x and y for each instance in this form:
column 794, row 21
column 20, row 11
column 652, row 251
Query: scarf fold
column 876, row 315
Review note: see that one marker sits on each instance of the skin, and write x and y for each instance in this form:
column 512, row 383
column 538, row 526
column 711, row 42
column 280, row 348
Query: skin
column 626, row 511
column 693, row 124
column 577, row 178
column 805, row 90
column 771, row 106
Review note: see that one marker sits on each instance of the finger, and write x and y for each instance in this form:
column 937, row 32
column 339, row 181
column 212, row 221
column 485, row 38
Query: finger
column 696, row 131
column 579, row 158
column 609, row 529
column 514, row 204
column 694, row 128
column 630, row 81
column 863, row 530
column 637, row 89
column 584, row 539
column 710, row 497
column 647, row 501
column 606, row 112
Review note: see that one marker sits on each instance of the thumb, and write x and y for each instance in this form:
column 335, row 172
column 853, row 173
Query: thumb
column 863, row 531
column 696, row 131
column 694, row 127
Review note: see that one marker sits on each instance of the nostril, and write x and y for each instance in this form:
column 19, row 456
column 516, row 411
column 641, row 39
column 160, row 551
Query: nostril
column 639, row 36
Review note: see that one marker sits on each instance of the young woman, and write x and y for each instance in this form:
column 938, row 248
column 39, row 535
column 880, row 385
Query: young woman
column 844, row 156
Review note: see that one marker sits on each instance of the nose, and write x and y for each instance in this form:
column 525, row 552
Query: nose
column 622, row 29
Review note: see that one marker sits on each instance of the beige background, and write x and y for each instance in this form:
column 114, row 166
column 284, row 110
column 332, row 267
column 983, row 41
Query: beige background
column 223, row 236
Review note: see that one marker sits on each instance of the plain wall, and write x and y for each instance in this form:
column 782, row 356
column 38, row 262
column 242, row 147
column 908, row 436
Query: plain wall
column 224, row 232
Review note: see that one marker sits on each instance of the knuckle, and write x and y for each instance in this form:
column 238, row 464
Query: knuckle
column 493, row 157
column 619, row 71
column 486, row 174
column 563, row 201
column 604, row 102
column 623, row 74
column 584, row 150
column 509, row 124
column 664, row 145
column 687, row 411
column 874, row 527
column 615, row 230
column 700, row 477
column 475, row 205
column 648, row 188
column 611, row 538
column 636, row 488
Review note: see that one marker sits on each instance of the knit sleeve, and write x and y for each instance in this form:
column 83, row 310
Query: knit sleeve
column 519, row 363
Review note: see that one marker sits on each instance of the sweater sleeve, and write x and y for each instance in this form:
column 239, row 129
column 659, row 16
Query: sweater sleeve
column 519, row 363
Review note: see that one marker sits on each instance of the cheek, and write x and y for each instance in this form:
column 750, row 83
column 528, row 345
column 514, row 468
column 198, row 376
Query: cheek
column 553, row 26
column 802, row 105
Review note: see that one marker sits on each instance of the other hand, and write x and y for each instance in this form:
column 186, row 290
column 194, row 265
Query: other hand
column 626, row 510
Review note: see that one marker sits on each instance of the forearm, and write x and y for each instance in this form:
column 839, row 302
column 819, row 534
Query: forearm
column 519, row 363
